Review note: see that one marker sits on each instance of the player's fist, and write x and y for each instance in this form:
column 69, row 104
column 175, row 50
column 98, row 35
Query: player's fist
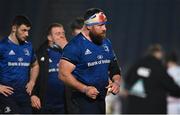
column 113, row 87
column 91, row 92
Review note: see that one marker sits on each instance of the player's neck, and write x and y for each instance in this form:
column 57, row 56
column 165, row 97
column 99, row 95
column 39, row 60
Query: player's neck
column 13, row 38
column 63, row 43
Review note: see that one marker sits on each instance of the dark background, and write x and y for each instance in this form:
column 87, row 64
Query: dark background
column 132, row 24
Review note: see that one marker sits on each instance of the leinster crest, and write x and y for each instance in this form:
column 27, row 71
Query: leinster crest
column 26, row 52
column 106, row 48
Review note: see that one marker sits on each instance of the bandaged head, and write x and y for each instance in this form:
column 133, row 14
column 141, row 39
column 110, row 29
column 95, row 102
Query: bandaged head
column 98, row 18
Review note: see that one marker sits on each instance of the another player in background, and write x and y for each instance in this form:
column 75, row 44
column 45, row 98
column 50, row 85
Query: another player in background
column 18, row 68
column 77, row 25
column 49, row 95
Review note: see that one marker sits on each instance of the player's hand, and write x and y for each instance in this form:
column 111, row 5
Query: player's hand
column 113, row 87
column 6, row 90
column 29, row 87
column 35, row 102
column 91, row 92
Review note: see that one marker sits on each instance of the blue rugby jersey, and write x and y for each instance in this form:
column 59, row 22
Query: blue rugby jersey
column 55, row 87
column 91, row 61
column 15, row 61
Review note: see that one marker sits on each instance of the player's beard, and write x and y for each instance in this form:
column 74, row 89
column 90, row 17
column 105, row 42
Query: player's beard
column 97, row 39
column 18, row 38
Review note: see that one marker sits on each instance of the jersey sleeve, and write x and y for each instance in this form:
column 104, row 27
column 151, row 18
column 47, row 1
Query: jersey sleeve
column 114, row 67
column 114, row 58
column 113, row 55
column 167, row 82
column 71, row 53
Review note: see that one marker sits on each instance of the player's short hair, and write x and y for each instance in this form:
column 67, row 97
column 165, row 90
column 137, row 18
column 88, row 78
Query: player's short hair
column 52, row 26
column 90, row 12
column 77, row 23
column 20, row 19
column 154, row 48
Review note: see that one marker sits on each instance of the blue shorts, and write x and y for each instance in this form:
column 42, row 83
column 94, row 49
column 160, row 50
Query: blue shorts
column 52, row 110
column 87, row 105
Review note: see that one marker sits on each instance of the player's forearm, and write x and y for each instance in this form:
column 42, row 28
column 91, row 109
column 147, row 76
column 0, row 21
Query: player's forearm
column 70, row 80
column 34, row 72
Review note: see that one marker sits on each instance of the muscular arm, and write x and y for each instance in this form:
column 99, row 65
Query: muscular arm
column 65, row 69
column 33, row 76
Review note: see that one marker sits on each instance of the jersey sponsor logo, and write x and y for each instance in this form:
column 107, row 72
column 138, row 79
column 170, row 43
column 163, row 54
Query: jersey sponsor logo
column 99, row 56
column 87, row 52
column 106, row 48
column 26, row 52
column 21, row 64
column 20, row 59
column 53, row 70
column 143, row 72
column 106, row 61
column 12, row 52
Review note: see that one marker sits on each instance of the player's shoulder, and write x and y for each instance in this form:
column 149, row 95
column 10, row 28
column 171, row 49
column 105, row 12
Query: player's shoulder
column 3, row 42
column 74, row 45
column 76, row 41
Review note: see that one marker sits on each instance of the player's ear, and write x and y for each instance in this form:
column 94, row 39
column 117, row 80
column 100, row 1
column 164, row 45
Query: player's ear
column 49, row 38
column 14, row 27
column 88, row 27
